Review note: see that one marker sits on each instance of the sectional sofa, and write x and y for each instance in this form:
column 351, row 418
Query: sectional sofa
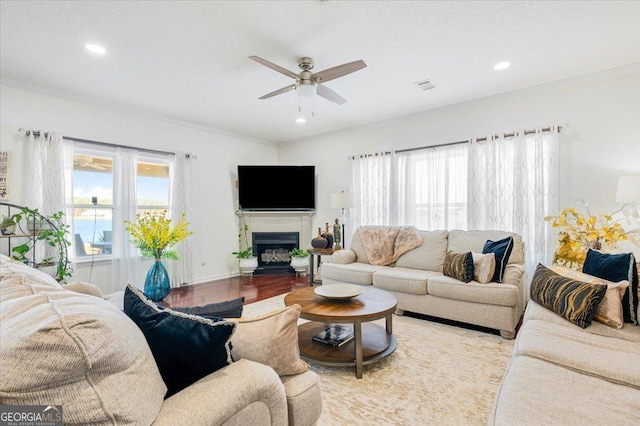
column 418, row 282
column 561, row 374
column 62, row 347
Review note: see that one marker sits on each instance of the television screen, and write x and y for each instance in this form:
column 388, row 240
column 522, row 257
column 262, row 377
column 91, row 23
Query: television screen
column 277, row 187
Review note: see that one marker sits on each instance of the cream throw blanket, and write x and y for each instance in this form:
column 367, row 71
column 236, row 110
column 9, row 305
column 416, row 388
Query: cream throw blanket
column 385, row 244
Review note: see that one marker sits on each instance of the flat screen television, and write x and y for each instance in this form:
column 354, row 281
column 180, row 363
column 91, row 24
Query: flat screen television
column 277, row 187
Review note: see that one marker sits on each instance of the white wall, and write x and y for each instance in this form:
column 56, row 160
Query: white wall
column 601, row 142
column 214, row 193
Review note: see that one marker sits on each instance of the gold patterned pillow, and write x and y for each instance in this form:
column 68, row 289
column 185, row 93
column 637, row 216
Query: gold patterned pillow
column 459, row 266
column 575, row 301
column 610, row 309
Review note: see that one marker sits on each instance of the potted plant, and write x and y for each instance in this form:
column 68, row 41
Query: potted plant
column 51, row 233
column 8, row 225
column 299, row 260
column 246, row 260
column 154, row 235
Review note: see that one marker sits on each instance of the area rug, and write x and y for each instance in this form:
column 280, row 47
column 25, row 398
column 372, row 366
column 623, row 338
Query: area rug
column 438, row 375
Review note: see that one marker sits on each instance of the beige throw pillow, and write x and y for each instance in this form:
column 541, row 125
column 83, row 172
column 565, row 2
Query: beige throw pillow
column 270, row 339
column 610, row 309
column 484, row 266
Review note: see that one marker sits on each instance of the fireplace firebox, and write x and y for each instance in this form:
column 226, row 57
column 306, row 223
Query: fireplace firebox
column 272, row 250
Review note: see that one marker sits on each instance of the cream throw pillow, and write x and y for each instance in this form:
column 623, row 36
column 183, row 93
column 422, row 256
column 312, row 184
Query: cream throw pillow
column 270, row 339
column 610, row 309
column 484, row 266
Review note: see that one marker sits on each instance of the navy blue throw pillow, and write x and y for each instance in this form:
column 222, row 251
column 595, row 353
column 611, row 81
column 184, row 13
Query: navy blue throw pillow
column 185, row 347
column 617, row 267
column 502, row 250
column 229, row 309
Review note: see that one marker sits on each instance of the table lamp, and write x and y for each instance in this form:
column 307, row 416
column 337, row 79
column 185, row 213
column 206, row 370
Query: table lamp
column 342, row 201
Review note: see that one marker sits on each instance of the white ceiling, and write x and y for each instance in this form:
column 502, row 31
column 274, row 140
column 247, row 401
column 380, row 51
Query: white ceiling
column 188, row 61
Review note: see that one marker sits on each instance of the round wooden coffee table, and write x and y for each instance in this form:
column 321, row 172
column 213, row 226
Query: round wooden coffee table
column 371, row 342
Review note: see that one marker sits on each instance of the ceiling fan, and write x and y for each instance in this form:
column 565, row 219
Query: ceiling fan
column 308, row 83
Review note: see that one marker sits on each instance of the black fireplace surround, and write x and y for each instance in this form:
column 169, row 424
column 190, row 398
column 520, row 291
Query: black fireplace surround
column 272, row 250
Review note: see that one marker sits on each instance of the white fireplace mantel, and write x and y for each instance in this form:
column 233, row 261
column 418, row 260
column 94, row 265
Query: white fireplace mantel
column 281, row 221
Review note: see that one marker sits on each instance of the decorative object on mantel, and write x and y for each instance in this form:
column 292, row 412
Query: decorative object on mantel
column 247, row 262
column 328, row 236
column 578, row 233
column 299, row 260
column 342, row 201
column 153, row 234
column 337, row 234
column 319, row 242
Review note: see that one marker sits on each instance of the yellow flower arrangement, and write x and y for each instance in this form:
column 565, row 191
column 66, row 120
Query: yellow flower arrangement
column 153, row 235
column 579, row 233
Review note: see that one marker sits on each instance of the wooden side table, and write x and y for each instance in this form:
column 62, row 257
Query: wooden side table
column 371, row 342
column 317, row 253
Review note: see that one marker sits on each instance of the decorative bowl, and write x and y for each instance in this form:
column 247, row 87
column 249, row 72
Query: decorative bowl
column 339, row 291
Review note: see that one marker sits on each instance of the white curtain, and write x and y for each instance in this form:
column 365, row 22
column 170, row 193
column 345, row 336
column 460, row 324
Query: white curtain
column 431, row 188
column 45, row 163
column 126, row 264
column 513, row 185
column 371, row 182
column 181, row 271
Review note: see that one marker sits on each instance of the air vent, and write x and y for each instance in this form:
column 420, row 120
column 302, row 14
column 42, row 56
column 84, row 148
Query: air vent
column 425, row 84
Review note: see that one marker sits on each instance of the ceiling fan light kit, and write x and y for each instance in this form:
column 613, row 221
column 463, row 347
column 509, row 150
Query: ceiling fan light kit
column 308, row 83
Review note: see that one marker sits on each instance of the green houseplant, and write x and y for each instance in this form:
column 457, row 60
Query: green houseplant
column 296, row 252
column 51, row 232
column 247, row 262
column 299, row 260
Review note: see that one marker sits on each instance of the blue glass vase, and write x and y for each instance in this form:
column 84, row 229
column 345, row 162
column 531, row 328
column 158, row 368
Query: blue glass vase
column 156, row 285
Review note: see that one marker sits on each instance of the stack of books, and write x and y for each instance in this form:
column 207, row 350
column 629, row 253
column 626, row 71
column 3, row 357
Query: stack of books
column 336, row 336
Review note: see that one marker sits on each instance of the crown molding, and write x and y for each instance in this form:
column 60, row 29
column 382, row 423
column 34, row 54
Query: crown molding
column 600, row 75
column 127, row 108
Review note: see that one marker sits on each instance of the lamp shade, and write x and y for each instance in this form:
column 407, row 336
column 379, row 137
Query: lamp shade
column 341, row 200
column 628, row 189
column 307, row 90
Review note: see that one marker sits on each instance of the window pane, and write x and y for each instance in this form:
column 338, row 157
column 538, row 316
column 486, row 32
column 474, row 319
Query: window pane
column 92, row 228
column 92, row 177
column 153, row 184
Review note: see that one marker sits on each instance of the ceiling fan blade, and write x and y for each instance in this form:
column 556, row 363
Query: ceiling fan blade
column 274, row 67
column 279, row 91
column 329, row 94
column 339, row 71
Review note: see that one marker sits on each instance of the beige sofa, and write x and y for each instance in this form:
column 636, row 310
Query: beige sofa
column 561, row 374
column 61, row 347
column 417, row 281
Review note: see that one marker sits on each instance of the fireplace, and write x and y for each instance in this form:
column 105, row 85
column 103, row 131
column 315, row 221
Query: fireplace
column 272, row 251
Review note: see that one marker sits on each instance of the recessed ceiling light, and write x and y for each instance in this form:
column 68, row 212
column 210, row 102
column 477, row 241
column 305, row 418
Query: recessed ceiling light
column 301, row 120
column 96, row 49
column 502, row 65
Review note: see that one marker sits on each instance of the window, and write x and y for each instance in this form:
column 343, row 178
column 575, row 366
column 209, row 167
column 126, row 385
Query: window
column 426, row 188
column 435, row 193
column 94, row 184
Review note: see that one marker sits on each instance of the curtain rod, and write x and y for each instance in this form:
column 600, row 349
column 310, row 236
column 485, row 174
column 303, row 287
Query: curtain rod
column 112, row 145
column 115, row 145
column 506, row 135
column 375, row 154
